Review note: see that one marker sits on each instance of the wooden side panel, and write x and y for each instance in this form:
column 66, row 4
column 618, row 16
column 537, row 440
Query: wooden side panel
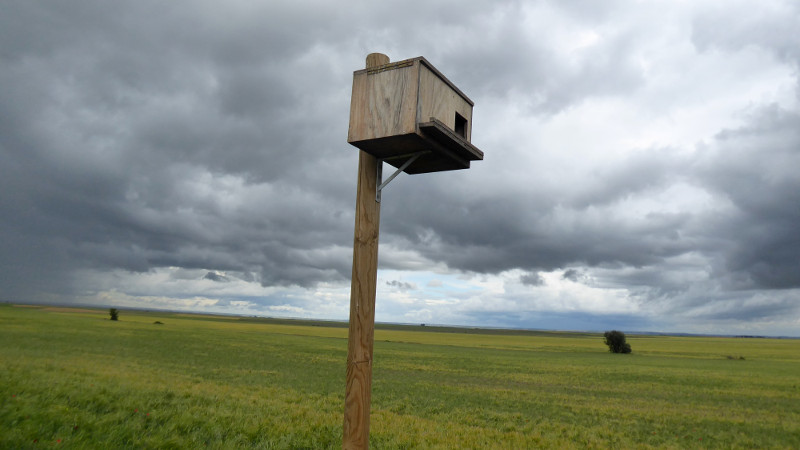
column 438, row 100
column 383, row 102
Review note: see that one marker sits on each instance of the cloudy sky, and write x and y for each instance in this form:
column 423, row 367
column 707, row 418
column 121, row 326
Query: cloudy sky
column 641, row 172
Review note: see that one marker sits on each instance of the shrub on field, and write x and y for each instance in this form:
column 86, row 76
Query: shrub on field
column 113, row 313
column 615, row 340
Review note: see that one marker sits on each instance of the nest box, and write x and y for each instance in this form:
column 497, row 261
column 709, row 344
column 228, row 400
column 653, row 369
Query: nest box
column 411, row 116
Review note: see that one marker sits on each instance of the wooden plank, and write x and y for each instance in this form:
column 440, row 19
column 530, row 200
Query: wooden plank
column 427, row 64
column 439, row 100
column 447, row 150
column 358, row 384
column 436, row 132
column 383, row 102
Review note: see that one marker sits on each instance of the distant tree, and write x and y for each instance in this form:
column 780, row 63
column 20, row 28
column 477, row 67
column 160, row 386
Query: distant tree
column 113, row 313
column 615, row 340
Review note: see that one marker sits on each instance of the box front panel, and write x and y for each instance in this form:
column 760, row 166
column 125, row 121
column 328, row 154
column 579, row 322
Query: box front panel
column 384, row 101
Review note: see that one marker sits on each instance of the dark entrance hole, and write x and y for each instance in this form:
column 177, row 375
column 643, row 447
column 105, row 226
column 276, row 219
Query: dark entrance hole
column 461, row 126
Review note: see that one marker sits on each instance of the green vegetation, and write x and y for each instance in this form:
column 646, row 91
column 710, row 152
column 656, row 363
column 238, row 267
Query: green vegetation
column 71, row 377
column 615, row 340
column 113, row 313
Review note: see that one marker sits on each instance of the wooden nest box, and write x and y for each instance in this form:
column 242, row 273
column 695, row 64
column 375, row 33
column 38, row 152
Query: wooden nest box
column 408, row 109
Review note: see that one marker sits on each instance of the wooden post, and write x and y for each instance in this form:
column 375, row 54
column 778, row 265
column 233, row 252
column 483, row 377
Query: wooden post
column 360, row 339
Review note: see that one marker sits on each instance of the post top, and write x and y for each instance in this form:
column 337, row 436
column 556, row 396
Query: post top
column 376, row 59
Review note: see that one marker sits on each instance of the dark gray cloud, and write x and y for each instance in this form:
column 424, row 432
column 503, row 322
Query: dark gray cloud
column 753, row 167
column 572, row 275
column 214, row 276
column 532, row 279
column 401, row 286
column 201, row 139
column 124, row 125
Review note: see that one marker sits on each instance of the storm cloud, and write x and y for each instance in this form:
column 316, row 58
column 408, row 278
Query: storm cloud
column 640, row 170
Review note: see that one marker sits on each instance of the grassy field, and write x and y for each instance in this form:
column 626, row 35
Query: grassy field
column 73, row 378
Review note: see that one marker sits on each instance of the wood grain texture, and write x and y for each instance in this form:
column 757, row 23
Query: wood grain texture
column 391, row 99
column 390, row 104
column 358, row 389
column 376, row 60
column 383, row 103
column 438, row 100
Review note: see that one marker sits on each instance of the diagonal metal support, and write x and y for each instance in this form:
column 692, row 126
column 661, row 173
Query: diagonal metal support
column 413, row 157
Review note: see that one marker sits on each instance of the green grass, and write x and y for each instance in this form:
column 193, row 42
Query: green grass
column 73, row 378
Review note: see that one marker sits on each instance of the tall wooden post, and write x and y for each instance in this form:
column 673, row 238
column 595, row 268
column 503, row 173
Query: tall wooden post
column 358, row 389
column 411, row 116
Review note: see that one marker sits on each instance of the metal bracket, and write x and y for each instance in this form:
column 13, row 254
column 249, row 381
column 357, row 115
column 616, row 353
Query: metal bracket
column 380, row 185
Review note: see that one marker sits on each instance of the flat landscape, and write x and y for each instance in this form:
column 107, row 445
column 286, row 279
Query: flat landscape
column 74, row 378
